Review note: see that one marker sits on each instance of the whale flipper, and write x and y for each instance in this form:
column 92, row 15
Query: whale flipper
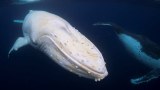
column 20, row 42
column 146, row 78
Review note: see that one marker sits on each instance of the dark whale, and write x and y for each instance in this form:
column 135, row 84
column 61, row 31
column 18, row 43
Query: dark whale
column 142, row 48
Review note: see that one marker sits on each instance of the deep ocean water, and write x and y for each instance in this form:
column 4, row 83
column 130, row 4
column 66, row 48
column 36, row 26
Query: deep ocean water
column 29, row 69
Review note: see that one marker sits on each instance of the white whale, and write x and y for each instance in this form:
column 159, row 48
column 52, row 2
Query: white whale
column 62, row 43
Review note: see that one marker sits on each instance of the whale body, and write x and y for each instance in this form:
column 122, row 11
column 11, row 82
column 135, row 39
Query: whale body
column 142, row 48
column 63, row 43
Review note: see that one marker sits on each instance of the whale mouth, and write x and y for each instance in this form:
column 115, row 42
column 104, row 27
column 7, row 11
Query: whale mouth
column 88, row 65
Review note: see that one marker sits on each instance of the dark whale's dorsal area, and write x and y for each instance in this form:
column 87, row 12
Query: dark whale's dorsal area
column 148, row 46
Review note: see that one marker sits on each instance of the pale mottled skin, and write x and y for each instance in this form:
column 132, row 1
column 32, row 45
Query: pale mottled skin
column 64, row 44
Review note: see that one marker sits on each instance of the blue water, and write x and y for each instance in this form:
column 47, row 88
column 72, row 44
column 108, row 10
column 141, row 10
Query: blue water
column 29, row 69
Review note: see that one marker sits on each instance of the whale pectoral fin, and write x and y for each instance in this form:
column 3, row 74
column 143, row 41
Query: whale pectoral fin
column 149, row 76
column 20, row 42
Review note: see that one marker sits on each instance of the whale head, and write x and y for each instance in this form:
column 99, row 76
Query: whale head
column 64, row 44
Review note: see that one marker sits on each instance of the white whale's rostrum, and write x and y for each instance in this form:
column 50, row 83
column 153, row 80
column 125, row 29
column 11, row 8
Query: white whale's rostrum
column 62, row 43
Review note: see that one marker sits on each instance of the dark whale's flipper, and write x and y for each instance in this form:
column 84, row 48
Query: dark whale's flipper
column 146, row 78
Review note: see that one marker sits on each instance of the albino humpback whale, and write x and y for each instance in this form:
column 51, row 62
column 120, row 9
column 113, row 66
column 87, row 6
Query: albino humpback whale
column 143, row 49
column 62, row 43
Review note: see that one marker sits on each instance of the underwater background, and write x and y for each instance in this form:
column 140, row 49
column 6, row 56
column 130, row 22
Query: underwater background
column 29, row 69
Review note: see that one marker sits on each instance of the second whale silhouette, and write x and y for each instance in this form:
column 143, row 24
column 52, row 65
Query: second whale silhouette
column 145, row 50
